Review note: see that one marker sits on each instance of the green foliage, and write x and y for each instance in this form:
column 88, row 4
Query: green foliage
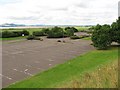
column 38, row 33
column 45, row 30
column 55, row 32
column 25, row 32
column 115, row 31
column 72, row 29
column 69, row 32
column 9, row 34
column 101, row 37
column 31, row 37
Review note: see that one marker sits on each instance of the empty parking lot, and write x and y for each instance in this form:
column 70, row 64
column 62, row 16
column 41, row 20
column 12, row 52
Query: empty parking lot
column 23, row 59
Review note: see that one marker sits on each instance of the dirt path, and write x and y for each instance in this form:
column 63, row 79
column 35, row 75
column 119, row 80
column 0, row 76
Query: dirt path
column 27, row 58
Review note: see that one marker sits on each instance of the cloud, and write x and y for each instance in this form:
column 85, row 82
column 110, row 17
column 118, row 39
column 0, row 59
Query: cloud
column 24, row 18
column 59, row 11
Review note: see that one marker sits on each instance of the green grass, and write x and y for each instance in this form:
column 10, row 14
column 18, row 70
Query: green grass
column 13, row 38
column 87, row 38
column 62, row 73
column 105, row 76
column 82, row 28
column 28, row 29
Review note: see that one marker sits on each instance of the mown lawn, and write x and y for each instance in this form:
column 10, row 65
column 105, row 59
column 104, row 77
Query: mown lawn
column 13, row 38
column 63, row 73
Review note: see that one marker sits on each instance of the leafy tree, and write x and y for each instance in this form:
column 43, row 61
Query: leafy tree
column 55, row 32
column 71, row 28
column 101, row 36
column 38, row 33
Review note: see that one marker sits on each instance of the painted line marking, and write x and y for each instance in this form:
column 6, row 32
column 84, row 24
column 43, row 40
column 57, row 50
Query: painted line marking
column 34, row 67
column 25, row 72
column 6, row 77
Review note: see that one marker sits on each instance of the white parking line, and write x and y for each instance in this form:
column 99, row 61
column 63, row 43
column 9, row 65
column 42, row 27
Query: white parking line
column 25, row 72
column 6, row 77
column 34, row 67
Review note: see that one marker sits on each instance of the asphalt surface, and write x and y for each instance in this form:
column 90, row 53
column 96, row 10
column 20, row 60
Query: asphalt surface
column 22, row 59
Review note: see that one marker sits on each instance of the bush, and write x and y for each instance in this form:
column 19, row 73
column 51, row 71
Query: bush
column 45, row 30
column 69, row 32
column 71, row 28
column 25, row 32
column 38, row 33
column 101, row 37
column 55, row 32
column 31, row 37
column 8, row 34
column 75, row 37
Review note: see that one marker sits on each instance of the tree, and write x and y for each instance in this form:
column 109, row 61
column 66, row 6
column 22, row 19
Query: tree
column 101, row 36
column 55, row 32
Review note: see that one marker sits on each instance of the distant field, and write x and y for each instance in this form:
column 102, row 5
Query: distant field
column 29, row 29
column 82, row 28
column 84, row 67
column 37, row 29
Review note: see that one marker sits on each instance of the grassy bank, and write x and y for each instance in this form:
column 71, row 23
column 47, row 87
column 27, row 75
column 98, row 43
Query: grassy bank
column 105, row 76
column 61, row 74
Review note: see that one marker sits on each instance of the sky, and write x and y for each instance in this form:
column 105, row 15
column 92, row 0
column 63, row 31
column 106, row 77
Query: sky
column 58, row 12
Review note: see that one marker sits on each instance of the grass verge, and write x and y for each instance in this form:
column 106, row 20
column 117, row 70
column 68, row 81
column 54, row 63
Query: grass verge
column 13, row 38
column 62, row 73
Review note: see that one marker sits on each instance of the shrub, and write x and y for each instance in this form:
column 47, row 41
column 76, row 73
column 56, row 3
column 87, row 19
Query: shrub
column 101, row 37
column 69, row 32
column 45, row 30
column 25, row 32
column 8, row 34
column 55, row 32
column 18, row 33
column 74, row 37
column 38, row 33
column 71, row 28
column 31, row 37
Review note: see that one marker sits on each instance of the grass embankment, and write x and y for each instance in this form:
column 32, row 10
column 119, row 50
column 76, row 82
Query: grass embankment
column 64, row 75
column 105, row 76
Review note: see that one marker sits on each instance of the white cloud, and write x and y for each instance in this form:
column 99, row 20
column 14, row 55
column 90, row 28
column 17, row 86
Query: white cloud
column 59, row 11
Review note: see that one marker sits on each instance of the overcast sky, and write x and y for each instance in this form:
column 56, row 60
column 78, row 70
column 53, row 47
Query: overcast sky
column 58, row 12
